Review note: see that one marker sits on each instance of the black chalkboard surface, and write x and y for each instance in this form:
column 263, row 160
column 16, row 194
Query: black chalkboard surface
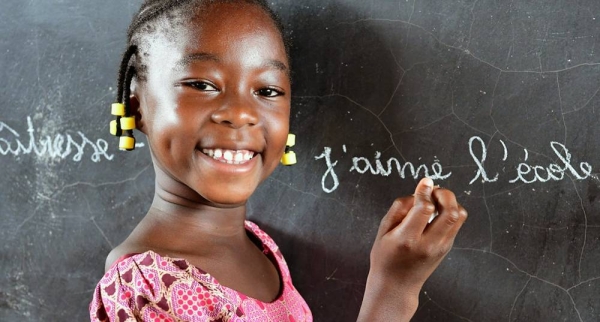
column 497, row 100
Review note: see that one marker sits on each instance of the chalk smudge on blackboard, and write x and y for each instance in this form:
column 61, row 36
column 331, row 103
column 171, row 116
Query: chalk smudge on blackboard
column 56, row 146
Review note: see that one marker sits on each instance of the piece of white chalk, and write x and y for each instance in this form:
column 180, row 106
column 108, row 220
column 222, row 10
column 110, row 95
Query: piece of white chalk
column 433, row 215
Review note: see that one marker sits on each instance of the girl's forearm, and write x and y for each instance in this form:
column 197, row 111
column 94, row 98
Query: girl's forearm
column 387, row 302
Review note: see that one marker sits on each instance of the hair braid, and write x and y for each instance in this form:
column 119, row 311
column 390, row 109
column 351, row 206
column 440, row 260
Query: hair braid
column 127, row 89
column 131, row 50
column 150, row 10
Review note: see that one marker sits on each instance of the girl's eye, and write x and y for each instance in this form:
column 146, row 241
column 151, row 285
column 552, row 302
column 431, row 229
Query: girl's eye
column 203, row 86
column 269, row 92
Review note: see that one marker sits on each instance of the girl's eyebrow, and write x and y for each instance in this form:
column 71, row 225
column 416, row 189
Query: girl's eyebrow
column 188, row 59
column 277, row 64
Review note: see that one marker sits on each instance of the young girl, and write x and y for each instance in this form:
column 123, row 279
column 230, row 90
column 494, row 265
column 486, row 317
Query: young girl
column 208, row 83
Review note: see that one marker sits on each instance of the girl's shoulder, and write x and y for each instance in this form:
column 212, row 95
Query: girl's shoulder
column 134, row 249
column 146, row 265
column 125, row 250
column 137, row 242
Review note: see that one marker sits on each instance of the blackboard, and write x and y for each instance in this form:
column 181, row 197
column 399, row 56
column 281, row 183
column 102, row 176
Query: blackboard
column 495, row 99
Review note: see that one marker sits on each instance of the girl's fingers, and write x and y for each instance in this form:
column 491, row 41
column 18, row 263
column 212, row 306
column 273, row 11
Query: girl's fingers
column 395, row 215
column 444, row 199
column 450, row 217
column 463, row 216
column 423, row 207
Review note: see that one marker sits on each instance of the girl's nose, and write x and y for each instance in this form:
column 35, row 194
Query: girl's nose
column 236, row 113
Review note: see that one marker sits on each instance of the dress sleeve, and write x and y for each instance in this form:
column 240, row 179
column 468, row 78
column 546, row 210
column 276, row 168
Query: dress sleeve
column 114, row 295
column 147, row 287
column 125, row 289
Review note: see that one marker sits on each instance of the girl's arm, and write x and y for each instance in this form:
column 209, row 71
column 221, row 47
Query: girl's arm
column 407, row 250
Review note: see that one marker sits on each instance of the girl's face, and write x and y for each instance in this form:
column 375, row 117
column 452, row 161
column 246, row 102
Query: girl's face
column 215, row 104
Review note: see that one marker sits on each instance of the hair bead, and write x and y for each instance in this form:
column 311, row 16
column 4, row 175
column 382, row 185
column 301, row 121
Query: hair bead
column 127, row 142
column 115, row 129
column 118, row 109
column 289, row 157
column 291, row 140
column 127, row 123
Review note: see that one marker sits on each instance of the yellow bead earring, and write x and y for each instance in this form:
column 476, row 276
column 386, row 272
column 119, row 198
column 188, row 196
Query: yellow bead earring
column 289, row 157
column 124, row 123
column 122, row 127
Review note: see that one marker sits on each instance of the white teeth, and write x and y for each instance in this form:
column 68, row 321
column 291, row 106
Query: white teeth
column 229, row 156
column 239, row 157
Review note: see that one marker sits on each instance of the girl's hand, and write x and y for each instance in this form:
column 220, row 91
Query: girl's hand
column 407, row 250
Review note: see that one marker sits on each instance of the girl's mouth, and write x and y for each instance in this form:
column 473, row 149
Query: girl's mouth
column 230, row 156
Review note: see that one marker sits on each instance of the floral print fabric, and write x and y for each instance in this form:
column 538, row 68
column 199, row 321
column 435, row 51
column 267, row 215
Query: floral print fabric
column 148, row 287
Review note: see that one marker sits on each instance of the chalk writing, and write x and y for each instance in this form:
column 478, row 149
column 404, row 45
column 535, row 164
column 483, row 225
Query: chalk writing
column 553, row 171
column 530, row 173
column 58, row 146
column 481, row 173
column 330, row 171
column 526, row 172
column 363, row 165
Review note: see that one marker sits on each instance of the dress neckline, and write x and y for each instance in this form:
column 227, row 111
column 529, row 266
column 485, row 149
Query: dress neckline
column 266, row 250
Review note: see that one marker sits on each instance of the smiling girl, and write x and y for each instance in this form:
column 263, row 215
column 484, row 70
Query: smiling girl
column 208, row 83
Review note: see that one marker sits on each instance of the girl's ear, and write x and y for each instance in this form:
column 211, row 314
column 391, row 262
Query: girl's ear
column 134, row 106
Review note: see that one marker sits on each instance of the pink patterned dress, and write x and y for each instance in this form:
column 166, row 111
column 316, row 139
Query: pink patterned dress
column 148, row 287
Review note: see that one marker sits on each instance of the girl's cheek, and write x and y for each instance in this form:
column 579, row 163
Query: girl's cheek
column 166, row 116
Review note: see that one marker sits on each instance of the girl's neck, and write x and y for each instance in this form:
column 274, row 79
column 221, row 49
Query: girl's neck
column 177, row 208
column 176, row 211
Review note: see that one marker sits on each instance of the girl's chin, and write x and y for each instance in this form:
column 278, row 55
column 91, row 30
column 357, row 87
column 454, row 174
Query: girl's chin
column 228, row 204
column 231, row 199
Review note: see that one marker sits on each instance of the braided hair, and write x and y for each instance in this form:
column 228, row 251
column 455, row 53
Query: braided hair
column 145, row 23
